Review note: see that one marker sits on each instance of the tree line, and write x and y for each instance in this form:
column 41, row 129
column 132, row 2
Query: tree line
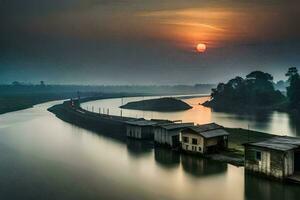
column 256, row 90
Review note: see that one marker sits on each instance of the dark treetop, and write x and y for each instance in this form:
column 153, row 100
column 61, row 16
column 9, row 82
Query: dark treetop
column 254, row 91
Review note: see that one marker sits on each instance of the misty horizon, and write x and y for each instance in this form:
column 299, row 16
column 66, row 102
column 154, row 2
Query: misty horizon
column 103, row 42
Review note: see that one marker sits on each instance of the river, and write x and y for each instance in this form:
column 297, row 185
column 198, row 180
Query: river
column 274, row 122
column 42, row 157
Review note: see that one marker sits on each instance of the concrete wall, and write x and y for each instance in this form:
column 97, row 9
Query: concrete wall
column 273, row 163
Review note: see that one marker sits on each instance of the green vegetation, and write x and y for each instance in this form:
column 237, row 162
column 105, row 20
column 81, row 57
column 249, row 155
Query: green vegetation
column 238, row 137
column 293, row 91
column 255, row 91
column 235, row 153
column 162, row 104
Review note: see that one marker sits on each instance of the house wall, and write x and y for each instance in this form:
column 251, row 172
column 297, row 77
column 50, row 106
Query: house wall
column 163, row 136
column 289, row 163
column 273, row 163
column 145, row 132
column 134, row 131
column 211, row 142
column 189, row 146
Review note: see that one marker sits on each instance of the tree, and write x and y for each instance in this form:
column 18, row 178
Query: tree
column 293, row 90
column 236, row 82
column 292, row 72
column 256, row 90
column 259, row 75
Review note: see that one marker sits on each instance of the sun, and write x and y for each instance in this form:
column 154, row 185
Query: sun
column 201, row 47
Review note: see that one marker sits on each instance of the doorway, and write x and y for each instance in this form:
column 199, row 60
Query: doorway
column 297, row 161
column 175, row 141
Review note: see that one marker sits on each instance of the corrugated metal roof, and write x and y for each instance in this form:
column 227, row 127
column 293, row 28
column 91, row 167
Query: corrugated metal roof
column 281, row 143
column 206, row 127
column 214, row 133
column 142, row 123
column 173, row 126
column 209, row 130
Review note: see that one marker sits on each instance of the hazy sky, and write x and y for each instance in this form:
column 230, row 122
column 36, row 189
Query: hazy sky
column 146, row 41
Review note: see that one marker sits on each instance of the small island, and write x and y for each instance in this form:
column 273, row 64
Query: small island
column 161, row 105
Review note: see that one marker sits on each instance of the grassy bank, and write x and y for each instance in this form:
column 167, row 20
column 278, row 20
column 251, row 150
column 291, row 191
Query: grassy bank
column 235, row 153
column 240, row 136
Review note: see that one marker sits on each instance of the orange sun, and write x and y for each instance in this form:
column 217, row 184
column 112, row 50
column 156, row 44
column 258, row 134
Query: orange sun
column 201, row 48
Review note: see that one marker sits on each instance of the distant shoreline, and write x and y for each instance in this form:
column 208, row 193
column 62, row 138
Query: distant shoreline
column 16, row 102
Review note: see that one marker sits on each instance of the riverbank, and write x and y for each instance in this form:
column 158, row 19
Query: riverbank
column 20, row 101
column 10, row 103
column 237, row 137
column 244, row 108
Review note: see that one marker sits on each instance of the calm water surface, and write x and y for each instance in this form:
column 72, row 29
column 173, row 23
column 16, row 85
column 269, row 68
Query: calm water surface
column 42, row 157
column 271, row 122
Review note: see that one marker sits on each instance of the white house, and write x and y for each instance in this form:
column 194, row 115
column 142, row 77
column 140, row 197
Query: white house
column 204, row 138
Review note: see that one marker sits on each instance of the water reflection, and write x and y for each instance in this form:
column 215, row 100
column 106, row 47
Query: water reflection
column 138, row 148
column 42, row 157
column 265, row 121
column 260, row 120
column 262, row 188
column 197, row 166
column 166, row 157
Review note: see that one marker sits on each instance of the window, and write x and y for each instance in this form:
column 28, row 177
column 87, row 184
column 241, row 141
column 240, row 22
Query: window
column 185, row 139
column 194, row 141
column 199, row 148
column 187, row 147
column 258, row 155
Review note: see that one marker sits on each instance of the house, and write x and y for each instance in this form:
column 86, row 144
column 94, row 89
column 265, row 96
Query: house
column 278, row 157
column 140, row 129
column 204, row 138
column 169, row 134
